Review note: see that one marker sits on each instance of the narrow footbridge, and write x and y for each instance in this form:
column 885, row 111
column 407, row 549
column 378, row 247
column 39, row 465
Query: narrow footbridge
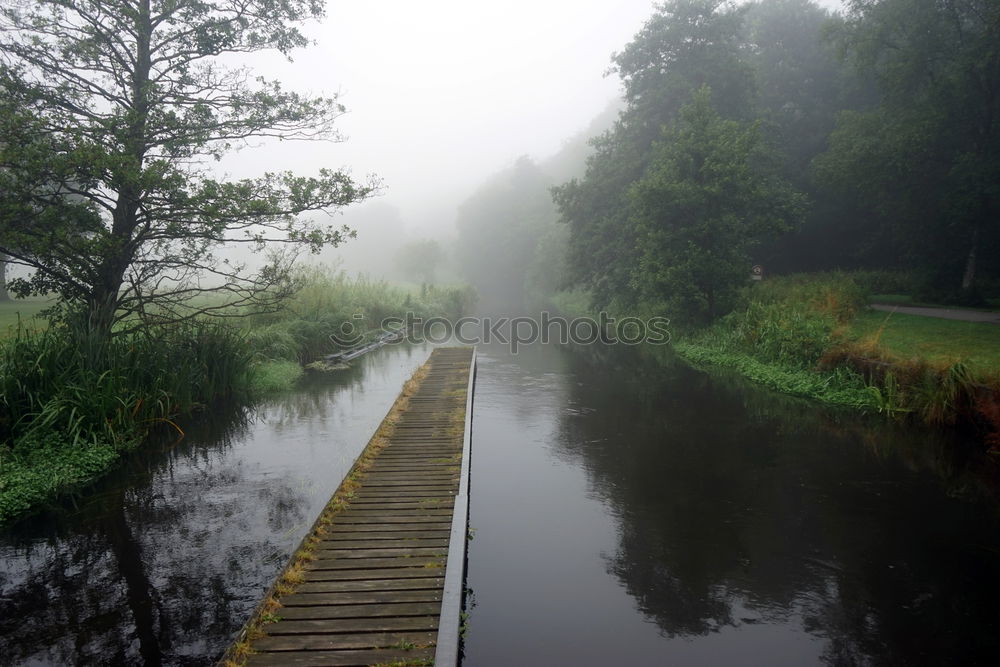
column 378, row 580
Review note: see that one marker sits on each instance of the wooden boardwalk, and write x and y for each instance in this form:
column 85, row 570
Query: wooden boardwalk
column 379, row 579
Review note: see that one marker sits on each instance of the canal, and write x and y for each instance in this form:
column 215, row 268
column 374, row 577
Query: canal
column 625, row 508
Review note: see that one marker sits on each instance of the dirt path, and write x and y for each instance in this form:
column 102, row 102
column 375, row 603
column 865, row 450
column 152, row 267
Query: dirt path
column 944, row 313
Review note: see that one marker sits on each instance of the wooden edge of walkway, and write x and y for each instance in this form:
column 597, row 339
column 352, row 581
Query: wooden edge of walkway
column 448, row 637
column 450, row 628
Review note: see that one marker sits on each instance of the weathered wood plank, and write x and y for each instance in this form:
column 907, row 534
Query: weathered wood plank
column 361, row 640
column 373, row 573
column 326, row 545
column 382, row 552
column 371, row 585
column 374, row 592
column 350, row 625
column 376, row 563
column 360, row 611
column 345, row 534
column 361, row 658
column 359, row 597
column 390, row 527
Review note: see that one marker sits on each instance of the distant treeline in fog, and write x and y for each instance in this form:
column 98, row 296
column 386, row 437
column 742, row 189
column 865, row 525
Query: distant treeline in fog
column 773, row 133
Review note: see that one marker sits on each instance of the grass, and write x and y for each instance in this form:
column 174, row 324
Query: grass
column 938, row 341
column 19, row 311
column 71, row 405
column 810, row 335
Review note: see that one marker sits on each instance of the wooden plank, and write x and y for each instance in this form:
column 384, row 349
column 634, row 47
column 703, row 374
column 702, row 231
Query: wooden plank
column 361, row 640
column 350, row 625
column 370, row 585
column 360, row 611
column 346, row 534
column 359, row 597
column 361, row 658
column 376, row 563
column 393, row 527
column 382, row 544
column 377, row 585
column 382, row 552
column 373, row 573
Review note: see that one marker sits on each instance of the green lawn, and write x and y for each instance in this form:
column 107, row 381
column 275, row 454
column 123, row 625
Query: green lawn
column 9, row 311
column 937, row 340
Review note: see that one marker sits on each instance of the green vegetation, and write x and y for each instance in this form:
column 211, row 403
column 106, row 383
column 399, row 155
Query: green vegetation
column 939, row 341
column 13, row 313
column 781, row 334
column 72, row 402
column 811, row 335
column 781, row 134
column 109, row 114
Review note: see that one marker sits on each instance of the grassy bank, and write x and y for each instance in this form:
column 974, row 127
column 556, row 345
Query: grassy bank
column 813, row 335
column 71, row 406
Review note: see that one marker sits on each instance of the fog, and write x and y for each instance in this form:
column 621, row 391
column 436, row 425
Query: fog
column 443, row 93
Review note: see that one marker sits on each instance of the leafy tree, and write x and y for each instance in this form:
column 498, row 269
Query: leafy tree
column 420, row 259
column 685, row 45
column 927, row 158
column 110, row 110
column 710, row 194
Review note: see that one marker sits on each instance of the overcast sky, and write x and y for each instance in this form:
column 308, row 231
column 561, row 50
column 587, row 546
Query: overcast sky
column 442, row 93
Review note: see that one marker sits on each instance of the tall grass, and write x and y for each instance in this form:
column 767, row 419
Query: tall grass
column 794, row 334
column 332, row 306
column 71, row 402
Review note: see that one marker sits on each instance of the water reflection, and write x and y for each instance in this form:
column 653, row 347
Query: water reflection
column 163, row 560
column 748, row 528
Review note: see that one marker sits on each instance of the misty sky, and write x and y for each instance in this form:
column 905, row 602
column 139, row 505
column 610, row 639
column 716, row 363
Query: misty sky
column 442, row 93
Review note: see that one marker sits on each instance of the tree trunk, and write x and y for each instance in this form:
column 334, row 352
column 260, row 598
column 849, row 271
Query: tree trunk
column 4, row 296
column 969, row 277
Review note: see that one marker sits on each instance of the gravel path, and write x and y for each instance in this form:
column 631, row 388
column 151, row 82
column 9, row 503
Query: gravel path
column 944, row 313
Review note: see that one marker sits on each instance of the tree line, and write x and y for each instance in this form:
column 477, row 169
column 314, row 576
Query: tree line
column 782, row 134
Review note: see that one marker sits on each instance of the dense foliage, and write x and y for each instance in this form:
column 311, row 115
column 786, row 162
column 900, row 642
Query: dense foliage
column 110, row 111
column 867, row 140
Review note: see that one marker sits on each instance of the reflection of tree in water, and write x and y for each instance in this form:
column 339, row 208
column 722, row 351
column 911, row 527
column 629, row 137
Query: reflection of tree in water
column 162, row 561
column 119, row 580
column 740, row 507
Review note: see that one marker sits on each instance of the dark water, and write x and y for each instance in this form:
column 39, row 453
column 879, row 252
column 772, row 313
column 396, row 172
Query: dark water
column 163, row 562
column 626, row 511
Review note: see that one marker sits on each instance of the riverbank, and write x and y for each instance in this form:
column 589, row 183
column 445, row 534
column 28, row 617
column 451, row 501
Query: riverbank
column 72, row 406
column 814, row 335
